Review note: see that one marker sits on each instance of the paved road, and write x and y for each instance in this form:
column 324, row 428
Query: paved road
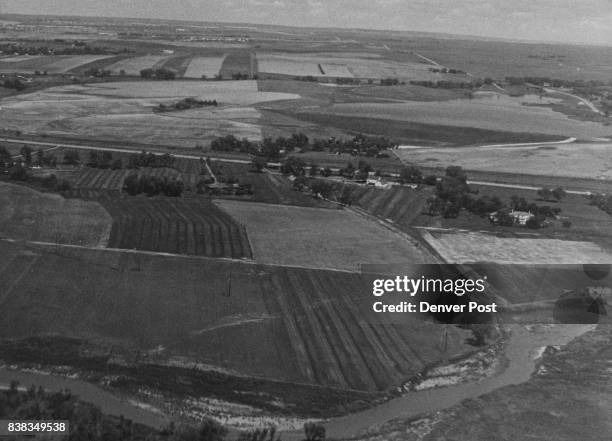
column 115, row 149
column 523, row 187
column 586, row 102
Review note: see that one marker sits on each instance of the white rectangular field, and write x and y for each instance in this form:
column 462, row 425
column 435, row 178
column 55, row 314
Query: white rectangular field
column 479, row 247
column 204, row 66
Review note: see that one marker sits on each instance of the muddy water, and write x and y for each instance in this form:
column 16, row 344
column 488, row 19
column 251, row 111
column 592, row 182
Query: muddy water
column 522, row 350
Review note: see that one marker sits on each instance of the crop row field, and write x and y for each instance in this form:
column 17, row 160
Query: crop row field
column 284, row 324
column 319, row 238
column 98, row 179
column 400, row 205
column 173, row 225
column 88, row 178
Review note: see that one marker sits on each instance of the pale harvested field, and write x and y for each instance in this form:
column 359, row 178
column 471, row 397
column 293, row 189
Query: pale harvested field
column 133, row 66
column 208, row 66
column 491, row 112
column 53, row 64
column 318, row 238
column 30, row 215
column 120, row 111
column 579, row 160
column 364, row 65
column 67, row 64
column 18, row 58
column 287, row 66
column 478, row 247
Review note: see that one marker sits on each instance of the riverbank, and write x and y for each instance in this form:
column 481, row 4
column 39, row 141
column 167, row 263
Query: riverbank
column 568, row 384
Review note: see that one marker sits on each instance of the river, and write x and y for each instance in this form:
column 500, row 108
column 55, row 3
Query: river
column 523, row 348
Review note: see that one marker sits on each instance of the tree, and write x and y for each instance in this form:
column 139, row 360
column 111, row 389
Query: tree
column 293, row 166
column 435, row 206
column 260, row 435
column 40, row 157
column 321, row 188
column 72, row 157
column 93, row 159
column 258, row 163
column 26, row 153
column 504, row 219
column 457, row 172
column 314, row 432
column 545, row 193
column 6, row 160
column 410, row 174
column 313, row 169
column 558, row 193
column 147, row 73
column 348, row 171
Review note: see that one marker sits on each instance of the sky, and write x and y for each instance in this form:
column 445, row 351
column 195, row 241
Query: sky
column 577, row 21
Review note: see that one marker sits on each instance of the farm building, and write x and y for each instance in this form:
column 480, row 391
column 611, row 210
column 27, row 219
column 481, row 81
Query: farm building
column 518, row 217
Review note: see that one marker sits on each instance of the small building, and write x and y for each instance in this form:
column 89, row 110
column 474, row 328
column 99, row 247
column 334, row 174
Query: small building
column 518, row 217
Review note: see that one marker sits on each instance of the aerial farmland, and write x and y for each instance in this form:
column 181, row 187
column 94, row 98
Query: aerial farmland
column 196, row 218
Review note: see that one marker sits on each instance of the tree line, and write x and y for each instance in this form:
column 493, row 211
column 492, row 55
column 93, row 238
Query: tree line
column 271, row 148
column 184, row 104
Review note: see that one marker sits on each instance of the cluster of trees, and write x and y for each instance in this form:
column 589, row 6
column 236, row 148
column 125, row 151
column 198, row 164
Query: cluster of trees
column 184, row 104
column 73, row 48
column 148, row 159
column 358, row 145
column 135, row 184
column 18, row 170
column 270, row 148
column 442, row 84
column 555, row 194
column 411, row 174
column 445, row 70
column 317, row 187
column 602, row 201
column 13, row 83
column 240, row 76
column 103, row 159
column 98, row 73
column 453, row 193
column 391, row 82
column 161, row 73
column 72, row 157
